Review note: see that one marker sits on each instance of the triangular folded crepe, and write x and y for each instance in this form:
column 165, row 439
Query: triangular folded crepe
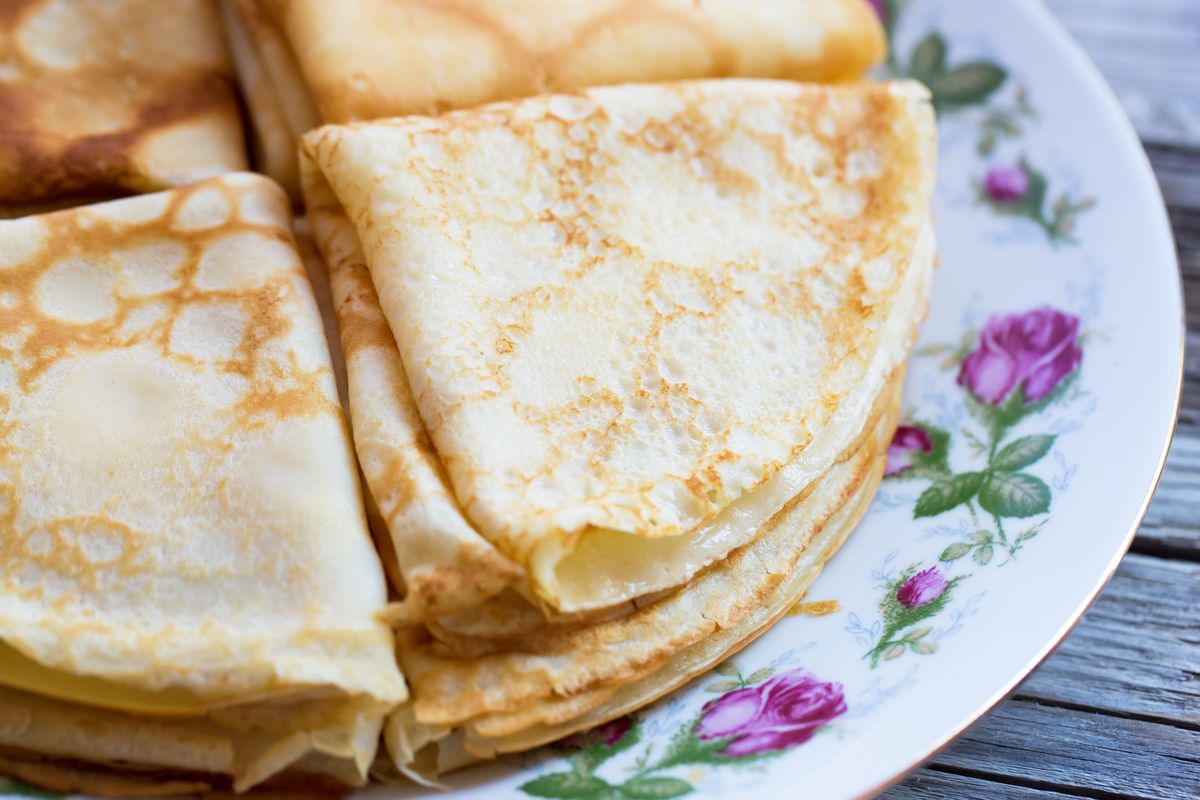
column 187, row 584
column 304, row 61
column 474, row 701
column 106, row 98
column 609, row 354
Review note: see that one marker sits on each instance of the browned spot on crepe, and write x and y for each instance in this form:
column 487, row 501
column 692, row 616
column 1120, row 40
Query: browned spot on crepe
column 111, row 98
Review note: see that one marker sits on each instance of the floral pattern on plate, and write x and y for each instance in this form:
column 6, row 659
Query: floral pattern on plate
column 1016, row 189
column 757, row 718
column 1036, row 409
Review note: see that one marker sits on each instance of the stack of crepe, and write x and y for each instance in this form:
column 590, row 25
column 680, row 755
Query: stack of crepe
column 622, row 368
column 303, row 62
column 188, row 592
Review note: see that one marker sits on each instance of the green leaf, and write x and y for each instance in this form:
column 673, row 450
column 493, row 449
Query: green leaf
column 1014, row 494
column 723, row 686
column 947, row 494
column 598, row 751
column 981, row 537
column 685, row 748
column 1023, row 452
column 967, row 84
column 726, row 668
column 924, row 648
column 1035, row 196
column 564, row 785
column 916, row 633
column 937, row 459
column 983, row 555
column 760, row 675
column 955, row 551
column 1027, row 535
column 655, row 788
column 1002, row 417
column 928, row 59
column 19, row 789
column 895, row 651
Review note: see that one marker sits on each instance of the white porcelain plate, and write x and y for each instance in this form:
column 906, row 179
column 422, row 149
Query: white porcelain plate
column 1037, row 413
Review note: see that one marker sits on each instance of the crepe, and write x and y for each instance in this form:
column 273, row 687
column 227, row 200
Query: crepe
column 604, row 351
column 318, row 277
column 690, row 632
column 187, row 585
column 278, row 101
column 447, row 565
column 103, row 99
column 307, row 60
column 504, row 243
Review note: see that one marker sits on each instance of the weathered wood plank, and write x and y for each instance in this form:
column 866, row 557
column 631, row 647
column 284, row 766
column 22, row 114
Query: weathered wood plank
column 1146, row 49
column 1076, row 752
column 1172, row 524
column 1137, row 651
column 1178, row 173
column 932, row 784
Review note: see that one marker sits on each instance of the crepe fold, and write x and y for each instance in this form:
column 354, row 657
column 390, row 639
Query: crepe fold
column 535, row 691
column 188, row 589
column 106, row 99
column 304, row 61
column 621, row 365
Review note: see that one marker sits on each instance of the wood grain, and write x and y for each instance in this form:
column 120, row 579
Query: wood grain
column 1172, row 525
column 934, row 784
column 1137, row 653
column 1076, row 751
column 1147, row 49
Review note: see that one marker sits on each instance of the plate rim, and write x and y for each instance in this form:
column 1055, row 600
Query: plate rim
column 1105, row 94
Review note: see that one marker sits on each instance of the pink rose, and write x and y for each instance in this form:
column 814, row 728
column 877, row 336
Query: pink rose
column 609, row 733
column 907, row 439
column 1034, row 350
column 612, row 732
column 924, row 587
column 1006, row 184
column 783, row 712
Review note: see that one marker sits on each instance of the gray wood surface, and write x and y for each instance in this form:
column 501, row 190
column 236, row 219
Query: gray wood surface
column 1148, row 51
column 1137, row 654
column 1115, row 712
column 1079, row 752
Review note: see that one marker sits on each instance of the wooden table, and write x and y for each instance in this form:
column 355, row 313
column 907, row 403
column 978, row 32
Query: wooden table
column 1114, row 713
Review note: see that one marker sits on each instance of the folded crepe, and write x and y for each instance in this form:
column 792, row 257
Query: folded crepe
column 622, row 366
column 188, row 591
column 105, row 99
column 309, row 61
column 318, row 277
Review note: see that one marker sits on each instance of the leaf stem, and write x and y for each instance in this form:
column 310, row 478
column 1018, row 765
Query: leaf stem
column 974, row 515
column 1000, row 530
column 997, row 433
column 877, row 651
